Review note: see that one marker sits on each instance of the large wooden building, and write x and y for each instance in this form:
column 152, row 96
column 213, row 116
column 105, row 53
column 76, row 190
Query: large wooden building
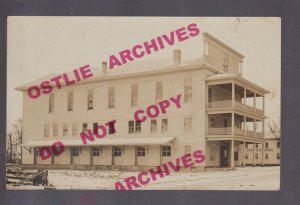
column 221, row 113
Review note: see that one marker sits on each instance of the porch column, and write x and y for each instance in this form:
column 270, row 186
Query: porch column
column 254, row 126
column 244, row 125
column 262, row 157
column 254, row 154
column 71, row 157
column 135, row 155
column 91, row 155
column 263, row 127
column 233, row 94
column 232, row 123
column 232, row 154
column 244, row 149
column 264, row 104
column 245, row 97
column 254, row 102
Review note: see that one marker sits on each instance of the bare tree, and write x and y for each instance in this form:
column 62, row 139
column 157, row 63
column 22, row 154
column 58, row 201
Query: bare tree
column 13, row 140
column 274, row 127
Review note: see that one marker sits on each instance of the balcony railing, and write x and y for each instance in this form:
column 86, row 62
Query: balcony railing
column 237, row 104
column 237, row 131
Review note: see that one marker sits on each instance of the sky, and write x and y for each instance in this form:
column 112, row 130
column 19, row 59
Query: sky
column 39, row 46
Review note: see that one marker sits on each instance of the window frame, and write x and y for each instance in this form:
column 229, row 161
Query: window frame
column 55, row 130
column 46, row 130
column 51, row 103
column 65, row 128
column 111, row 97
column 75, row 150
column 117, row 151
column 188, row 90
column 74, row 129
column 70, row 101
column 96, row 151
column 134, row 95
column 158, row 91
column 166, row 151
column 140, row 151
column 90, row 99
column 188, row 127
column 153, row 130
column 164, row 129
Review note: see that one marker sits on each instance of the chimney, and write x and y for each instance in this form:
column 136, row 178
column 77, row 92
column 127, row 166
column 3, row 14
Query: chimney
column 176, row 56
column 104, row 68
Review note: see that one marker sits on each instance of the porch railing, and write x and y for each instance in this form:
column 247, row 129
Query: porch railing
column 237, row 104
column 237, row 131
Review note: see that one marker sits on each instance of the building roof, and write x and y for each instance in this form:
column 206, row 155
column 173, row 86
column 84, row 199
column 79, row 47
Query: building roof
column 272, row 135
column 104, row 141
column 155, row 67
column 227, row 76
column 223, row 45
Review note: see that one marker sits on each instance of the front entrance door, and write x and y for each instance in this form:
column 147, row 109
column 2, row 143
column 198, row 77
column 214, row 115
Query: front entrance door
column 224, row 154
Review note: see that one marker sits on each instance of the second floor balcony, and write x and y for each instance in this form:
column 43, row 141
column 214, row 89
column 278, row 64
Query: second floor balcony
column 223, row 104
column 235, row 92
column 234, row 131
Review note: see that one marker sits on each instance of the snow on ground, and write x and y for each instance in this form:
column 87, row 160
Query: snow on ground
column 248, row 178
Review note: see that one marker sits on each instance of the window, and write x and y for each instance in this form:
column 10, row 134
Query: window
column 159, row 91
column 111, row 97
column 75, row 151
column 188, row 124
column 90, row 99
column 256, row 145
column 256, row 155
column 266, row 156
column 166, row 151
column 84, row 127
column 51, row 103
column 213, row 148
column 55, row 130
column 246, row 145
column 95, row 128
column 278, row 144
column 136, row 129
column 141, row 151
column 70, row 101
column 209, row 95
column 117, row 152
column 65, row 130
column 187, row 149
column 36, row 152
column 131, row 127
column 278, row 155
column 74, row 129
column 267, row 145
column 153, row 126
column 246, row 156
column 164, row 125
column 188, row 90
column 58, row 150
column 225, row 63
column 46, row 130
column 111, row 127
column 95, row 151
column 134, row 95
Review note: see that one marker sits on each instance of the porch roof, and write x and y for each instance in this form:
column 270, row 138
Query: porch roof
column 104, row 141
column 228, row 76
